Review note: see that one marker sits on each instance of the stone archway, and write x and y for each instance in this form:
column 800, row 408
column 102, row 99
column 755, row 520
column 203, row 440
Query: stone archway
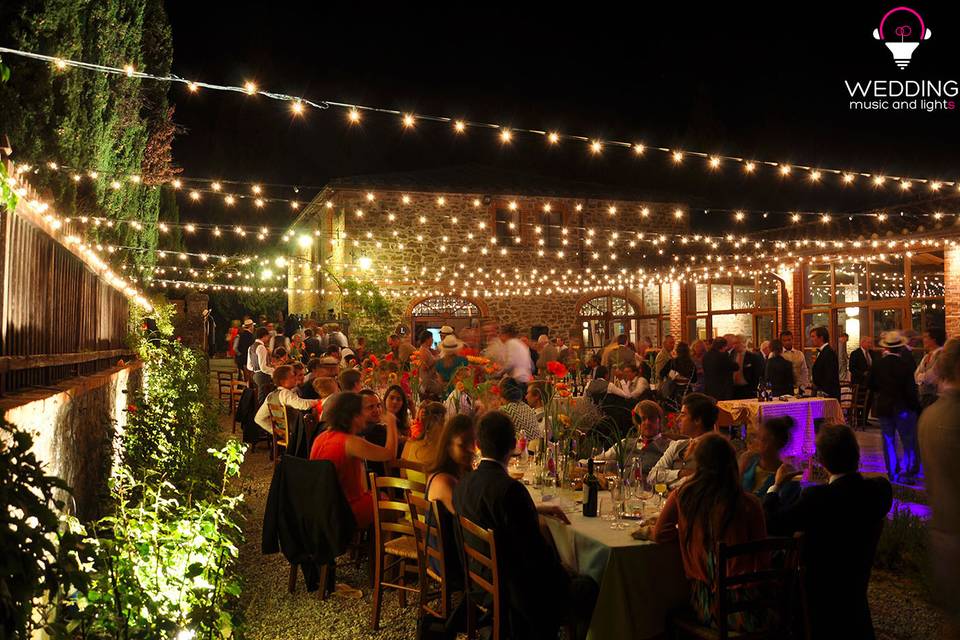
column 463, row 313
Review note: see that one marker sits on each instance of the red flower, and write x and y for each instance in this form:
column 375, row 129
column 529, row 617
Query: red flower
column 495, row 390
column 415, row 372
column 374, row 360
column 131, row 408
column 468, row 351
column 557, row 369
column 388, row 357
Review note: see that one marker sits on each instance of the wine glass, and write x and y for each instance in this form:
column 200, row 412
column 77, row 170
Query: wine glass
column 661, row 489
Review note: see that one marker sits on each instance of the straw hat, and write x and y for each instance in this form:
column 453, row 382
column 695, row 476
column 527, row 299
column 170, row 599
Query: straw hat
column 446, row 330
column 247, row 323
column 892, row 340
column 450, row 344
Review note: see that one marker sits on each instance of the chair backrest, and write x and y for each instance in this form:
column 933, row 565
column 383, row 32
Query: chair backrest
column 430, row 558
column 392, row 516
column 771, row 590
column 410, row 469
column 278, row 416
column 479, row 548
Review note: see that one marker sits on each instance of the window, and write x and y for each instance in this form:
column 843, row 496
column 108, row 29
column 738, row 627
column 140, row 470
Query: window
column 887, row 279
column 850, row 282
column 442, row 307
column 508, row 226
column 603, row 318
column 552, row 231
column 819, row 284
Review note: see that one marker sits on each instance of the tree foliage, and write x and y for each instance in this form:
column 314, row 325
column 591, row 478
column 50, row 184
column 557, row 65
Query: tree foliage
column 372, row 315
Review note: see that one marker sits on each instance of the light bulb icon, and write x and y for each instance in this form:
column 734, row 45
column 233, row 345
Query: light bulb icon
column 903, row 47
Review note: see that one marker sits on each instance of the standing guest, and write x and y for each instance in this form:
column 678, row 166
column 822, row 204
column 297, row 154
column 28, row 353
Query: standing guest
column 778, row 371
column 841, row 522
column 896, row 406
column 711, row 508
column 750, row 369
column 826, row 367
column 430, row 384
column 279, row 340
column 926, row 372
column 765, row 349
column 539, row 593
column 801, row 374
column 360, row 349
column 843, row 357
column 678, row 374
column 286, row 382
column 861, row 361
column 451, row 460
column 758, row 468
column 244, row 341
column 291, row 325
column 621, row 354
column 336, row 337
column 279, row 357
column 718, row 369
column 697, row 351
column 400, row 348
column 564, row 353
column 421, row 448
column 341, row 445
column 395, row 401
column 649, row 446
column 258, row 363
column 311, row 345
column 446, row 330
column 232, row 333
column 631, row 384
column 534, row 355
column 697, row 416
column 449, row 362
column 523, row 417
column 548, row 353
column 940, row 446
column 663, row 357
column 517, row 362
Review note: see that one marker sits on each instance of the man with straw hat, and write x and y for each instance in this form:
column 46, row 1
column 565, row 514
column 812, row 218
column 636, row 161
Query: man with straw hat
column 896, row 406
column 450, row 360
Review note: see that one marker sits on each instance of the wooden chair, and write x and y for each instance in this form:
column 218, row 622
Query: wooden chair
column 225, row 389
column 393, row 540
column 236, row 392
column 860, row 407
column 281, row 432
column 771, row 590
column 473, row 537
column 403, row 467
column 423, row 532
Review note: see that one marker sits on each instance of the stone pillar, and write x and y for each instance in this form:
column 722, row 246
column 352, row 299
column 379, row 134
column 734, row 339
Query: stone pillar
column 303, row 278
column 951, row 290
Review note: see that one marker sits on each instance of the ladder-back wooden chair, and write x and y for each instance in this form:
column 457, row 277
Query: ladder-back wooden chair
column 479, row 553
column 394, row 546
column 280, row 437
column 430, row 559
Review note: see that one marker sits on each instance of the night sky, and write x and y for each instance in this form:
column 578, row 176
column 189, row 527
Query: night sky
column 758, row 82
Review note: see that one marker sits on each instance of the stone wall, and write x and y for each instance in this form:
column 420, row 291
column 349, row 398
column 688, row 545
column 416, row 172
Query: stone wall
column 72, row 427
column 951, row 290
column 421, row 244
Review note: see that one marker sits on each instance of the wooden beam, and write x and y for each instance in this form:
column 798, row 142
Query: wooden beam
column 19, row 363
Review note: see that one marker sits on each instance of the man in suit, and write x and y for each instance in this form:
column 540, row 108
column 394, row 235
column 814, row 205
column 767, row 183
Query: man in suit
column 826, row 366
column 750, row 369
column 861, row 360
column 841, row 522
column 538, row 592
column 718, row 371
column 779, row 371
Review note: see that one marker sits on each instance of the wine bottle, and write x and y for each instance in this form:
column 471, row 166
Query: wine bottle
column 591, row 488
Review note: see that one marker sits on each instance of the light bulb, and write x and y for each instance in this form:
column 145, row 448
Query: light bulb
column 903, row 49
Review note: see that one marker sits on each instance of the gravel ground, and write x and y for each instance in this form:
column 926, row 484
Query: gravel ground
column 271, row 612
column 900, row 611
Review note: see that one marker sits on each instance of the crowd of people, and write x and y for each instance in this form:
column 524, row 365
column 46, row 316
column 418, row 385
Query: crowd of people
column 717, row 492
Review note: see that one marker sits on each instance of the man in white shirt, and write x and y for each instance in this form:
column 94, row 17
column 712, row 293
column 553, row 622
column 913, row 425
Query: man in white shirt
column 631, row 384
column 336, row 337
column 284, row 394
column 517, row 361
column 801, row 374
column 926, row 373
column 258, row 362
column 697, row 417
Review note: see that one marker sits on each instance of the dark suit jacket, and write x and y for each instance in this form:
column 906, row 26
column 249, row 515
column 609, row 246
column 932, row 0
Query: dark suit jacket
column 532, row 579
column 841, row 522
column 859, row 370
column 779, row 375
column 753, row 366
column 826, row 372
column 718, row 371
column 894, row 388
column 311, row 348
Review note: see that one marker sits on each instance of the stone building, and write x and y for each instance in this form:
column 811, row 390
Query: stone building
column 458, row 246
column 462, row 245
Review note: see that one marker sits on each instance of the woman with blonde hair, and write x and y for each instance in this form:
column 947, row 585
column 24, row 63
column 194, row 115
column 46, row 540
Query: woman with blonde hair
column 420, row 447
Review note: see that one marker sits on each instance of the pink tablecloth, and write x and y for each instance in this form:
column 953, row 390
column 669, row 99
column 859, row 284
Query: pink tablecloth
column 804, row 412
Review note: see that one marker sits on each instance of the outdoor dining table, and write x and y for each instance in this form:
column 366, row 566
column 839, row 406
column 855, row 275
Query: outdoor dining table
column 640, row 581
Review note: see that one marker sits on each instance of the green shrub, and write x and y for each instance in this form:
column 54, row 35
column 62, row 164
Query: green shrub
column 904, row 547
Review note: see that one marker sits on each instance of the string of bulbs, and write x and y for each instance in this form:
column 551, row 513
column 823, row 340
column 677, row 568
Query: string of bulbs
column 507, row 133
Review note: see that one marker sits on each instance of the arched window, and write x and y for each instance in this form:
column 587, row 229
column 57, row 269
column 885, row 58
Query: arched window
column 605, row 317
column 430, row 314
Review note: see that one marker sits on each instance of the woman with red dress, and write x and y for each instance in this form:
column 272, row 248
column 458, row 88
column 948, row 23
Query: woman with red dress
column 341, row 445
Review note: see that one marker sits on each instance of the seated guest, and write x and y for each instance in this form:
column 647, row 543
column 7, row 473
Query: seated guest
column 758, row 468
column 313, row 370
column 524, row 418
column 350, row 380
column 326, row 390
column 648, row 448
column 841, row 521
column 299, row 373
column 341, row 445
column 710, row 508
column 597, row 389
column 279, row 357
column 698, row 414
column 536, row 394
column 678, row 372
column 452, row 459
column 538, row 592
column 631, row 384
column 590, row 366
column 375, row 430
column 779, row 371
column 395, row 401
column 285, row 394
column 421, row 449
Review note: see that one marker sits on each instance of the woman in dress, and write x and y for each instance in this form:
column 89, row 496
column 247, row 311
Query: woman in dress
column 452, row 458
column 712, row 507
column 341, row 445
column 758, row 467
